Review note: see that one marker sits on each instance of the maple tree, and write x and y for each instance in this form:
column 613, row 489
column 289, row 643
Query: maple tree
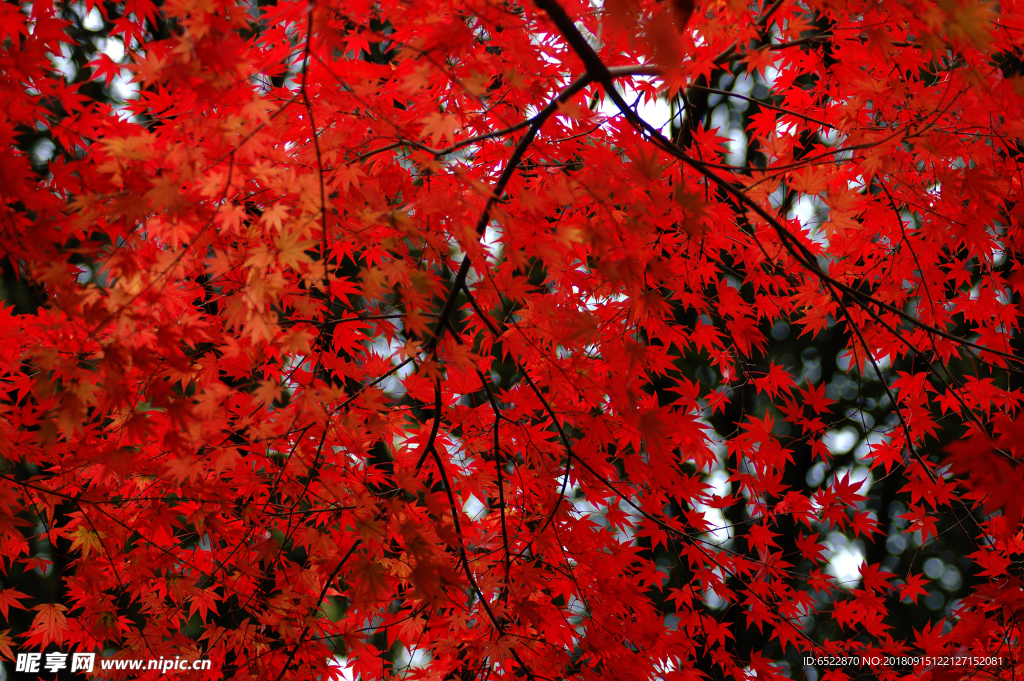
column 401, row 339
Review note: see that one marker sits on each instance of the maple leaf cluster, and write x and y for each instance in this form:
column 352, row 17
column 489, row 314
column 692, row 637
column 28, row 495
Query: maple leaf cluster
column 452, row 339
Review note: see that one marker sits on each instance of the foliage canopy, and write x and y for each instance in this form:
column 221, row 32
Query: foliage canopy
column 472, row 339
